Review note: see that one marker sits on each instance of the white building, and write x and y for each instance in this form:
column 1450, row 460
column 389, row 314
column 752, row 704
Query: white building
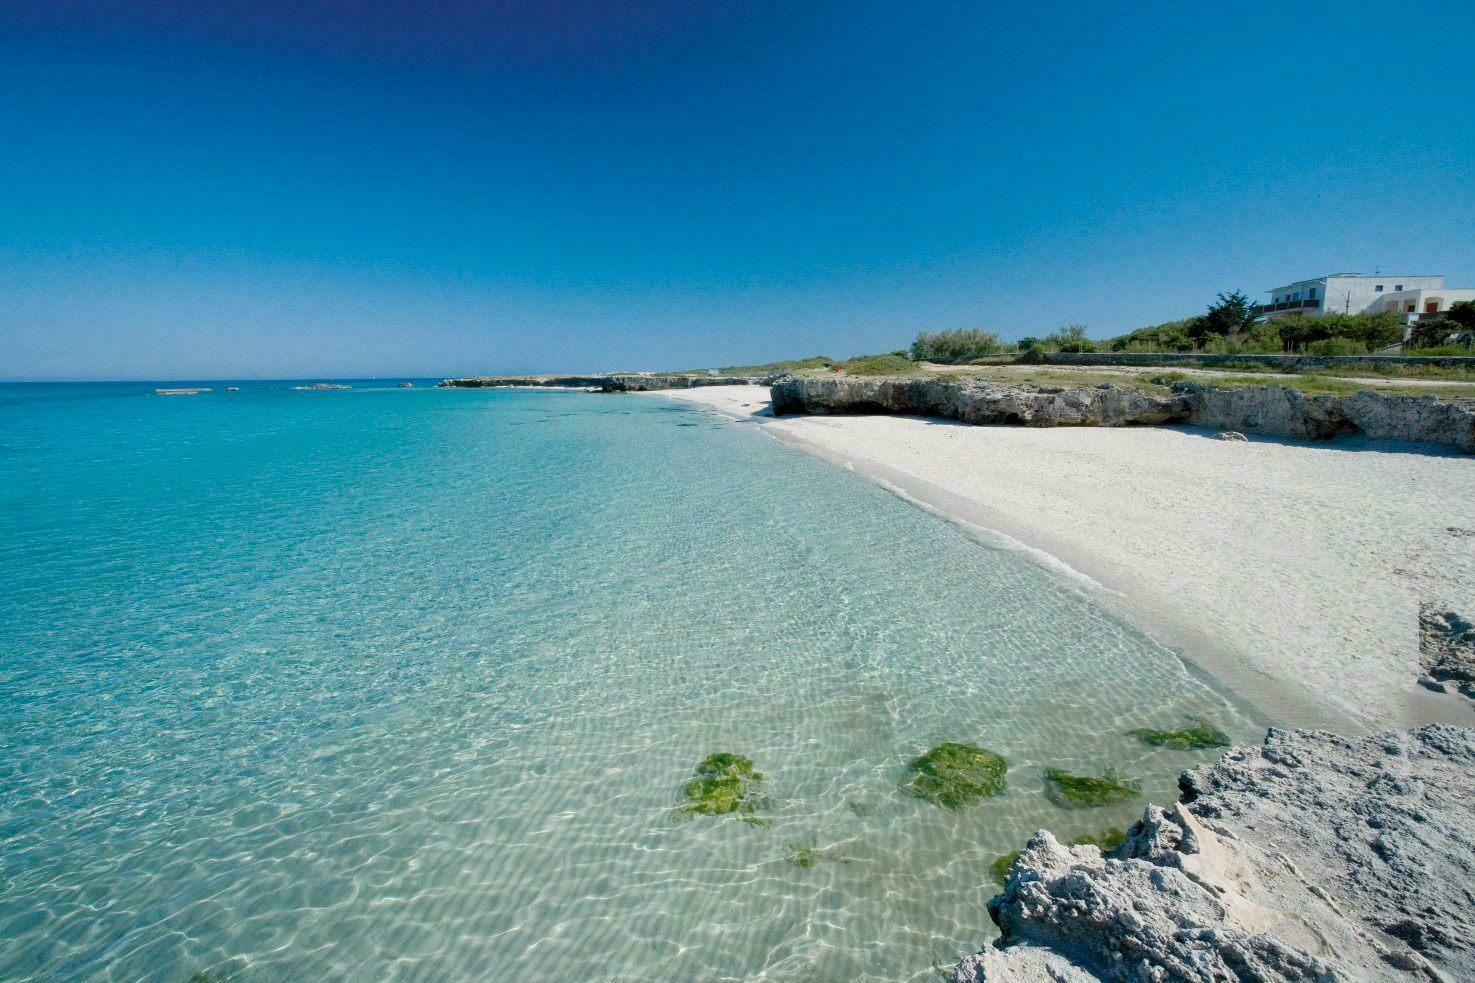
column 1350, row 293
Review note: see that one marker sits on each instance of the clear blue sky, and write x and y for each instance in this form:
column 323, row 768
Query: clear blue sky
column 262, row 188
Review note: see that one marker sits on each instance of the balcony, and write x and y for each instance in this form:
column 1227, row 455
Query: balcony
column 1288, row 305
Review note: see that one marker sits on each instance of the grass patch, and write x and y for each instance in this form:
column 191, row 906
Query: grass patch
column 880, row 365
column 816, row 362
column 955, row 775
column 1087, row 792
column 1190, row 737
column 726, row 784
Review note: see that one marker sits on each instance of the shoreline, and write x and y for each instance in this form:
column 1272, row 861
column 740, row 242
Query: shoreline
column 1289, row 573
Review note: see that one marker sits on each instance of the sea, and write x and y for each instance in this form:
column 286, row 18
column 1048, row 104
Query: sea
column 389, row 683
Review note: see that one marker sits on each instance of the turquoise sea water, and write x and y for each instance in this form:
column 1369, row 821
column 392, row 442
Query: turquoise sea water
column 405, row 684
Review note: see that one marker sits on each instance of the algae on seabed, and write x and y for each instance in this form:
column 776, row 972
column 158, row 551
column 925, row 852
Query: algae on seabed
column 1192, row 736
column 1086, row 792
column 953, row 775
column 725, row 784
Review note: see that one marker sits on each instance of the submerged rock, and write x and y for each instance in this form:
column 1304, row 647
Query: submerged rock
column 1087, row 792
column 1311, row 858
column 1192, row 736
column 725, row 784
column 954, row 775
column 1230, row 435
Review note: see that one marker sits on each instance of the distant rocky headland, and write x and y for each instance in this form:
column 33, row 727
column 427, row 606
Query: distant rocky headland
column 1311, row 858
column 613, row 382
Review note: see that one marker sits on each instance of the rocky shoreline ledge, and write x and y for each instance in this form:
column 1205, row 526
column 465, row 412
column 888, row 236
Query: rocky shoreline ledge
column 1273, row 410
column 619, row 382
column 1313, row 857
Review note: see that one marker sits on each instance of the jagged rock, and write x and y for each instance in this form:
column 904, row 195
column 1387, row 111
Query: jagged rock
column 1230, row 435
column 1313, row 857
column 1447, row 650
column 315, row 386
column 974, row 401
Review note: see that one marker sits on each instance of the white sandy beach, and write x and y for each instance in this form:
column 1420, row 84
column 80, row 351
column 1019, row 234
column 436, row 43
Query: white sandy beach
column 1291, row 572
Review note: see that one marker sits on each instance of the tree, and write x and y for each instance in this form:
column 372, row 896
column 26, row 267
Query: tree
column 955, row 346
column 1070, row 338
column 1462, row 312
column 1230, row 315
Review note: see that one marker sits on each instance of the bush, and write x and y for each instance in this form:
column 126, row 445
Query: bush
column 1442, row 351
column 1462, row 312
column 879, row 365
column 1372, row 330
column 1070, row 338
column 955, row 346
column 1438, row 332
column 1337, row 346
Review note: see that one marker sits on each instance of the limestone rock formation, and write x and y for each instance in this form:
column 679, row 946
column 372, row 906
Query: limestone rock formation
column 1447, row 651
column 613, row 382
column 976, row 401
column 1313, row 857
column 1230, row 435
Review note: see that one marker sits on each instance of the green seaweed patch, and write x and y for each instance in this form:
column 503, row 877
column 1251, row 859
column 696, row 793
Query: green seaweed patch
column 864, row 807
column 1002, row 864
column 802, row 855
column 726, row 784
column 1107, row 839
column 954, row 775
column 1192, row 736
column 1086, row 792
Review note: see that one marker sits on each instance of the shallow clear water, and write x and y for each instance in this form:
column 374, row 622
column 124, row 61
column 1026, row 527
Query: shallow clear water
column 405, row 684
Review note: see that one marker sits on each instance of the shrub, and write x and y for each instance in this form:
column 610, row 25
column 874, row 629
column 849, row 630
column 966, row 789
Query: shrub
column 1441, row 350
column 955, row 346
column 1070, row 338
column 1337, row 346
column 1372, row 330
column 879, row 365
column 1462, row 312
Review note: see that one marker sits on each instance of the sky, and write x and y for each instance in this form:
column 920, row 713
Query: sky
column 345, row 188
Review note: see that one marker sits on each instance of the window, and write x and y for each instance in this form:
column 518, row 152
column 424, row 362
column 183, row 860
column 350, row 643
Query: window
column 1311, row 294
column 1296, row 295
column 1399, row 287
column 1379, row 288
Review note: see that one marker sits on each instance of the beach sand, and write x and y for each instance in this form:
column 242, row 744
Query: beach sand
column 1291, row 572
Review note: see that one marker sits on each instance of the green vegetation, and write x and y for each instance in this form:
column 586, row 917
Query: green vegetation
column 803, row 854
column 1085, row 792
column 1107, row 839
column 817, row 362
column 880, row 365
column 1002, row 864
column 954, row 775
column 1191, row 736
column 953, row 347
column 863, row 807
column 725, row 784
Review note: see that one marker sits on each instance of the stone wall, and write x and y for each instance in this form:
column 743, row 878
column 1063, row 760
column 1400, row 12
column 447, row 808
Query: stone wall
column 1288, row 363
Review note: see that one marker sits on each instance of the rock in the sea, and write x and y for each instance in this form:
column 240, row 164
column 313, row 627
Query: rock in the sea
column 725, row 784
column 183, row 391
column 1088, row 792
column 1311, row 858
column 315, row 386
column 1230, row 435
column 407, row 385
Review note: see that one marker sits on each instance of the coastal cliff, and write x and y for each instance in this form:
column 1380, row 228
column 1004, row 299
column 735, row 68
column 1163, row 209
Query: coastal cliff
column 619, row 382
column 1313, row 857
column 1272, row 410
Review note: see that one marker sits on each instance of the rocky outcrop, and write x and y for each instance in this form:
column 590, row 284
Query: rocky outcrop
column 1313, row 857
column 976, row 401
column 1284, row 412
column 321, row 386
column 619, row 382
column 1447, row 651
column 1273, row 410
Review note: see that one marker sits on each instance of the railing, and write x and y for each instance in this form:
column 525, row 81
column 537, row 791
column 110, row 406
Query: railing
column 1287, row 305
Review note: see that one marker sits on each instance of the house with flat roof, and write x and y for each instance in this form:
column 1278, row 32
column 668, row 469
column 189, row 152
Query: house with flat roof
column 1411, row 297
